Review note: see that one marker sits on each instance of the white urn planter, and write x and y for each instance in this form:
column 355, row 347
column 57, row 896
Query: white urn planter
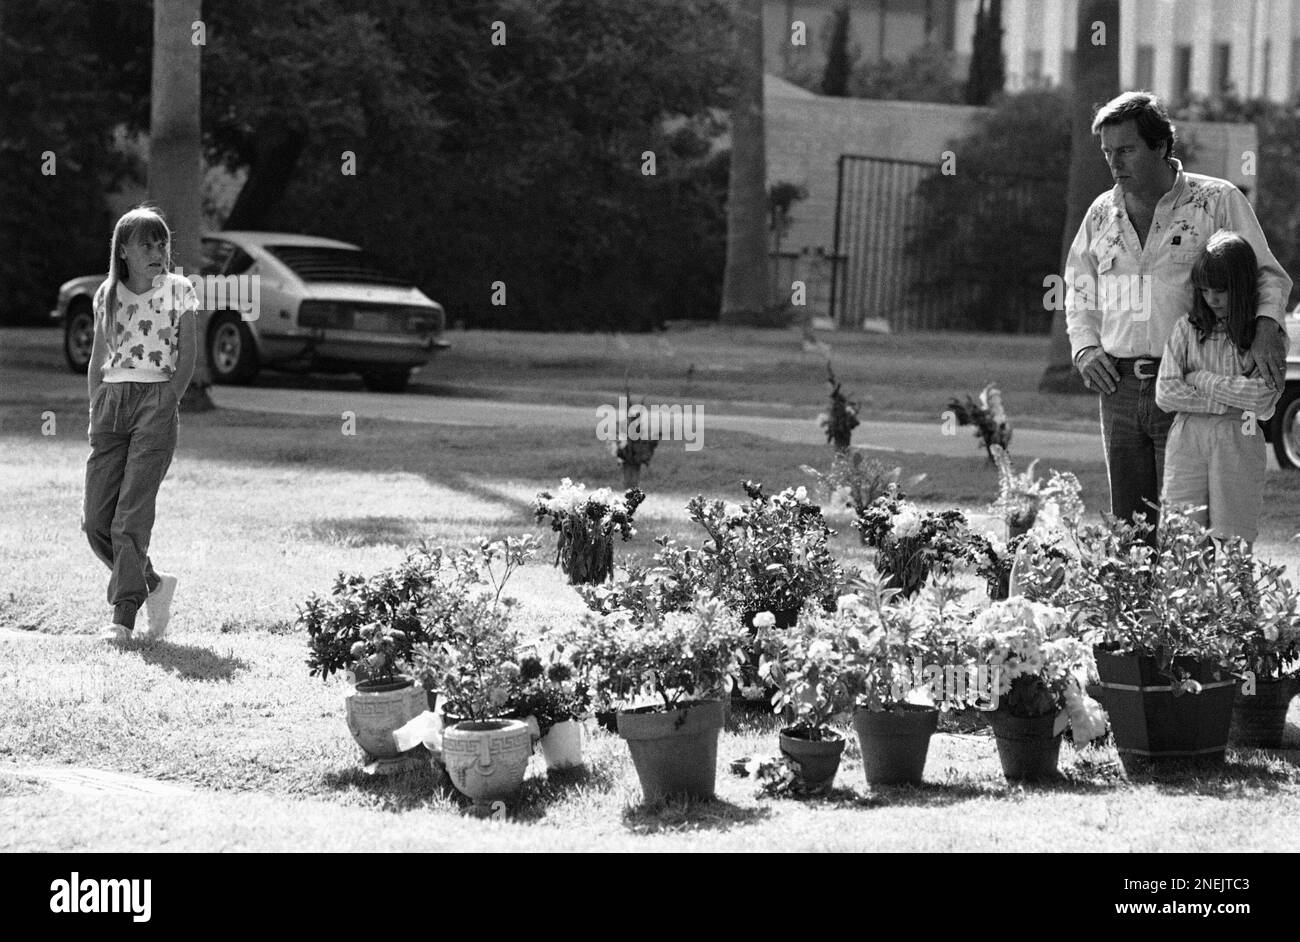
column 486, row 761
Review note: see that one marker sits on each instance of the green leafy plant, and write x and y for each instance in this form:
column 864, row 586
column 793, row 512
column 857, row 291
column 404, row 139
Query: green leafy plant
column 905, row 651
column 668, row 584
column 548, row 690
column 1040, row 664
column 369, row 625
column 471, row 659
column 586, row 524
column 682, row 656
column 812, row 668
column 769, row 554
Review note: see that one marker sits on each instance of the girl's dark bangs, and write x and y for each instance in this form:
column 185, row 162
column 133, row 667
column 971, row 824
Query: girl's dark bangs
column 1210, row 270
column 146, row 226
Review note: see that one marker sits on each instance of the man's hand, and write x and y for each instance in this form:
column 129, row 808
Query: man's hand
column 1268, row 352
column 1097, row 370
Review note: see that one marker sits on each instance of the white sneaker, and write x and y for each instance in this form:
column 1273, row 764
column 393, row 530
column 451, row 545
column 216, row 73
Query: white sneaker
column 158, row 607
column 115, row 633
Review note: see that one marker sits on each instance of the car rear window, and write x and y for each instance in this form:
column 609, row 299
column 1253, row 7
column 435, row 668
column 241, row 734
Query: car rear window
column 312, row 263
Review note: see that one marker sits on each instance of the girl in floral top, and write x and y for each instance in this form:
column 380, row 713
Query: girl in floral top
column 140, row 365
column 1215, row 458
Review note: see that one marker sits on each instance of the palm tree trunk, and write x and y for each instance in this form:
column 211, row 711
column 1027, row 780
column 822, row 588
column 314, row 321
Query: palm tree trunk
column 176, row 157
column 745, row 284
column 1096, row 81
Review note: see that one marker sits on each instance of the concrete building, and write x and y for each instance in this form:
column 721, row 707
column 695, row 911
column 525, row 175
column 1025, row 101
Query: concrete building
column 1180, row 49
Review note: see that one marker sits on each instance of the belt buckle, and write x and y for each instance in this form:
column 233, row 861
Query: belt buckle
column 1137, row 369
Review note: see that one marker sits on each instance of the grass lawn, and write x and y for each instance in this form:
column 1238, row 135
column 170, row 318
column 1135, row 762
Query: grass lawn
column 261, row 510
column 731, row 370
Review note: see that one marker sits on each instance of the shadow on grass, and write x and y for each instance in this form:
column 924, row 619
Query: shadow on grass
column 1246, row 771
column 687, row 814
column 191, row 662
column 418, row 788
column 358, row 531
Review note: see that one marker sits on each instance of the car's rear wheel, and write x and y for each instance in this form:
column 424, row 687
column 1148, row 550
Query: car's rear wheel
column 386, row 380
column 79, row 335
column 232, row 356
column 1286, row 428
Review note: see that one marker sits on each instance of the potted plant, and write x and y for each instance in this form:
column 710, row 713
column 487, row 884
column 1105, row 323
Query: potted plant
column 549, row 693
column 366, row 629
column 1040, row 670
column 472, row 662
column 586, row 524
column 910, row 663
column 811, row 666
column 1168, row 618
column 860, row 477
column 666, row 677
column 668, row 584
column 770, row 554
column 1022, row 497
column 911, row 544
column 1270, row 655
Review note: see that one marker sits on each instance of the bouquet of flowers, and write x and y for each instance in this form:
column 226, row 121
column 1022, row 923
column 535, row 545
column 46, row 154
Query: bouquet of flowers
column 909, row 543
column 586, row 524
column 547, row 690
column 839, row 423
column 1022, row 497
column 1039, row 666
column 988, row 417
column 770, row 554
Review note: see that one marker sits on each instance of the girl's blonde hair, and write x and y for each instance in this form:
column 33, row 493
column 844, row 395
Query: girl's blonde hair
column 145, row 221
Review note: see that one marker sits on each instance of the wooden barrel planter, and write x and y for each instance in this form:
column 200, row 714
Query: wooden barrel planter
column 1259, row 719
column 1151, row 724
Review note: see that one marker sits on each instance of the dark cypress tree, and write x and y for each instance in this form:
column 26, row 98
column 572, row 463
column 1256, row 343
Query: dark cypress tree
column 835, row 80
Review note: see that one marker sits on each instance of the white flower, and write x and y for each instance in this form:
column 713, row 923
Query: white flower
column 819, row 648
column 906, row 524
column 849, row 603
column 764, row 620
column 801, row 494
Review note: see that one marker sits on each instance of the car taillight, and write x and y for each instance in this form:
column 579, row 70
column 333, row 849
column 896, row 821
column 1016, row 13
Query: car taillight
column 423, row 320
column 324, row 314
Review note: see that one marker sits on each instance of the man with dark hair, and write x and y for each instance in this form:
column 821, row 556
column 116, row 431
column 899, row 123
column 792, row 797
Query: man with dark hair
column 1128, row 281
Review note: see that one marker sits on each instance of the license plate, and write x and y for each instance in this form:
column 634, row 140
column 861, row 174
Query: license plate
column 374, row 321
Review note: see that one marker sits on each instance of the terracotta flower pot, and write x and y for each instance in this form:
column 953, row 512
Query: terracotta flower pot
column 895, row 742
column 1150, row 723
column 815, row 761
column 376, row 708
column 1259, row 720
column 675, row 752
column 486, row 761
column 1026, row 745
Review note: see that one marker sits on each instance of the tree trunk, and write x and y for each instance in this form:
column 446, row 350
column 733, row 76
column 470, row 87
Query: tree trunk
column 278, row 143
column 745, row 284
column 176, row 156
column 1096, row 81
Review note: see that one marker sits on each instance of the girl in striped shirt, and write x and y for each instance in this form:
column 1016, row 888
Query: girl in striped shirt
column 1215, row 457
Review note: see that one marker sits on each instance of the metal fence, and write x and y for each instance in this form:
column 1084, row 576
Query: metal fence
column 926, row 250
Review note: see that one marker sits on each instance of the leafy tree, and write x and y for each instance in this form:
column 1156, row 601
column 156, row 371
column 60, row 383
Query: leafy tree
column 990, row 231
column 987, row 72
column 835, row 79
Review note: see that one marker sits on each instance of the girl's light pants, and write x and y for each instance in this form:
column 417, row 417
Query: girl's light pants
column 1215, row 460
column 133, row 430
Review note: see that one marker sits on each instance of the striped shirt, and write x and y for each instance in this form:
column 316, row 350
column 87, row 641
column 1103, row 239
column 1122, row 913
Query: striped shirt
column 1209, row 377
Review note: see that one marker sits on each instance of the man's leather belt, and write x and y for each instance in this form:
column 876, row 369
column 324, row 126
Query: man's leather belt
column 1139, row 367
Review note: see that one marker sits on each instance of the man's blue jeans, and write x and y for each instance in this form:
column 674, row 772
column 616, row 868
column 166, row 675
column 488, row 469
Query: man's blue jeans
column 1134, row 431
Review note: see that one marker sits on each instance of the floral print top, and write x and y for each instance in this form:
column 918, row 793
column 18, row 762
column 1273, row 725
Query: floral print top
column 146, row 328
